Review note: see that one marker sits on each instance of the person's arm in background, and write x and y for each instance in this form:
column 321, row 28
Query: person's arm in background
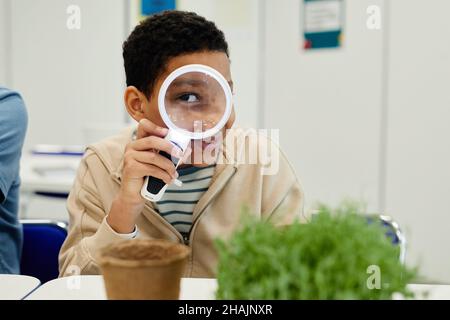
column 13, row 125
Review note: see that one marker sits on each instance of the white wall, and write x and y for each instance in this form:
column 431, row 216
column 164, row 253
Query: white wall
column 72, row 80
column 354, row 128
column 326, row 103
column 418, row 166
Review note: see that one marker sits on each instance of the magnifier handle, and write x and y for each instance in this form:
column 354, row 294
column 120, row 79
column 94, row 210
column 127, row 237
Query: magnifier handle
column 154, row 188
column 156, row 184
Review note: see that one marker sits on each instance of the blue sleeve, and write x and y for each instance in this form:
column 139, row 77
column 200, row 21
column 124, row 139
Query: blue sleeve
column 13, row 125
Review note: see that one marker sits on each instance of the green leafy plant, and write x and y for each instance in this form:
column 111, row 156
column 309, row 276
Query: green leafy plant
column 337, row 255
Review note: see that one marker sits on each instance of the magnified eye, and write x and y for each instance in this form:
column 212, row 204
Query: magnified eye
column 189, row 97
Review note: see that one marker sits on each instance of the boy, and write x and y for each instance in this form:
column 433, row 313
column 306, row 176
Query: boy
column 105, row 204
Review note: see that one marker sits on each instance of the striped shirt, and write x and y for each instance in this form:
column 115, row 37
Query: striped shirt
column 178, row 203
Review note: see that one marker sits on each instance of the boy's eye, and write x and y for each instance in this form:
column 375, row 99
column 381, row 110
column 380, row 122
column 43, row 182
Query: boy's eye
column 188, row 97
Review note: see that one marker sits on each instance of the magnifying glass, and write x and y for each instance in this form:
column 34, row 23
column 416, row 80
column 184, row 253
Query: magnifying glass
column 195, row 103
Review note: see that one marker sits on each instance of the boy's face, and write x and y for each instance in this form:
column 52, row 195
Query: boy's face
column 149, row 107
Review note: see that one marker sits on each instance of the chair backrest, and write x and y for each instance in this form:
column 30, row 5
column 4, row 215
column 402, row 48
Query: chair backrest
column 393, row 232
column 42, row 242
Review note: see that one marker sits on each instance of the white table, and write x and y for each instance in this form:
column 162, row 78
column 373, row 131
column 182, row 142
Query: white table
column 430, row 291
column 16, row 287
column 53, row 174
column 92, row 288
column 48, row 173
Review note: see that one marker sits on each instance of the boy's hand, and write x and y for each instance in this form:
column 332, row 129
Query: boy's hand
column 141, row 159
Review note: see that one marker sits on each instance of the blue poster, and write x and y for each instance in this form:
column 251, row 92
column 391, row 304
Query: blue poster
column 323, row 22
column 149, row 7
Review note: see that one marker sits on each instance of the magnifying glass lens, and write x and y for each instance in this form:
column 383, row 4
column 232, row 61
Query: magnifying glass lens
column 195, row 102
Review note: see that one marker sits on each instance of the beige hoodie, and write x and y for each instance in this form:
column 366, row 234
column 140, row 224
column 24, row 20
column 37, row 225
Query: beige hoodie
column 277, row 197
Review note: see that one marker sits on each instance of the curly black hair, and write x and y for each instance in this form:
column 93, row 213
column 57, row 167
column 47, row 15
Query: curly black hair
column 163, row 36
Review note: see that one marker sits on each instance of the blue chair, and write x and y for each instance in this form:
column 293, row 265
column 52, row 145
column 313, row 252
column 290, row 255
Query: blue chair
column 42, row 240
column 393, row 232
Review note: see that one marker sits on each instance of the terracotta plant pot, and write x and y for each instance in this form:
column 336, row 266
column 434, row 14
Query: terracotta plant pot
column 143, row 269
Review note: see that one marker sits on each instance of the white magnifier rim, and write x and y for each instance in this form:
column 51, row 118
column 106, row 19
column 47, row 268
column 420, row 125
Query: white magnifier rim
column 210, row 72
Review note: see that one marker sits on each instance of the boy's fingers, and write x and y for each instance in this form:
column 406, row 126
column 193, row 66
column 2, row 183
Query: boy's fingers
column 150, row 170
column 156, row 143
column 147, row 128
column 156, row 159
